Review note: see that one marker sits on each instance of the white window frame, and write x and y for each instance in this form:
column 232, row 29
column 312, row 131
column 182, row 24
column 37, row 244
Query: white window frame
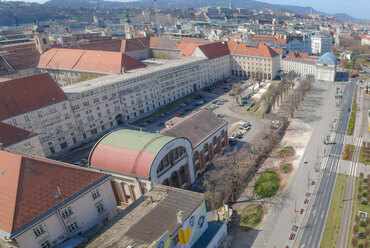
column 100, row 207
column 72, row 227
column 38, row 231
column 95, row 194
column 66, row 212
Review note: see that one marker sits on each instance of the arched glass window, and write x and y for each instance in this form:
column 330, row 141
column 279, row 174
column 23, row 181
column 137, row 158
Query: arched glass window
column 205, row 147
column 182, row 175
column 215, row 144
column 169, row 160
column 222, row 133
column 165, row 182
column 175, row 180
column 196, row 161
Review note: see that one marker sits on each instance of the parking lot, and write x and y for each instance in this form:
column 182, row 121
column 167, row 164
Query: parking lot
column 218, row 99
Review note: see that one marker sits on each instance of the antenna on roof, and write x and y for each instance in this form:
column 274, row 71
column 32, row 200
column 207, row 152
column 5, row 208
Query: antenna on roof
column 59, row 193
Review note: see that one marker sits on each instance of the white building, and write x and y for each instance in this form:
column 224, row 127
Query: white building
column 327, row 67
column 301, row 63
column 48, row 203
column 321, row 44
column 103, row 103
column 365, row 40
column 37, row 104
column 255, row 62
column 323, row 68
column 20, row 140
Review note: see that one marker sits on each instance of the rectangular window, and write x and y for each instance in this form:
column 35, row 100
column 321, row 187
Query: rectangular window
column 66, row 212
column 64, row 106
column 39, row 113
column 95, row 194
column 38, row 230
column 46, row 244
column 73, row 227
column 26, row 118
column 100, row 208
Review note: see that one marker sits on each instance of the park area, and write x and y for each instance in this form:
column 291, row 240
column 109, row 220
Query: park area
column 359, row 234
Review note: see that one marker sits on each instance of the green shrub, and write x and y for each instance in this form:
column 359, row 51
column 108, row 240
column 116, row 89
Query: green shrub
column 267, row 185
column 251, row 217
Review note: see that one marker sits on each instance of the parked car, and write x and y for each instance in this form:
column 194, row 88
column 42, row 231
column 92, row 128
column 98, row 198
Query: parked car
column 183, row 104
column 78, row 163
column 198, row 103
column 84, row 160
column 275, row 122
column 220, row 115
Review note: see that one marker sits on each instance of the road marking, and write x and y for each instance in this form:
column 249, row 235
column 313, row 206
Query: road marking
column 314, row 212
column 315, row 221
column 309, row 241
column 322, row 216
column 302, row 246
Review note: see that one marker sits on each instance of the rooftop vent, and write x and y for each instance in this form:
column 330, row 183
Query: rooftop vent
column 31, row 169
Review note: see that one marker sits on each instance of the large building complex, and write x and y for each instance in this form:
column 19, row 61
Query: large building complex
column 65, row 117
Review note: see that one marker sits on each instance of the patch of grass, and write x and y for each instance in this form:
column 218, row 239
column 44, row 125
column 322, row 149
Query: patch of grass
column 166, row 108
column 85, row 77
column 331, row 231
column 286, row 169
column 287, row 148
column 252, row 216
column 358, row 206
column 267, row 185
column 351, row 123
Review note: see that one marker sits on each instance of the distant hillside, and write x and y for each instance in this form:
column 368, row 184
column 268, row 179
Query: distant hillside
column 249, row 4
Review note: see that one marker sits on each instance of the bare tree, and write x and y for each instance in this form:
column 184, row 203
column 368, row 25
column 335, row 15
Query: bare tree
column 228, row 177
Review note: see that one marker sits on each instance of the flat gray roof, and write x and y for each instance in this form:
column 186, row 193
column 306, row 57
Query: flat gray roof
column 112, row 79
column 145, row 221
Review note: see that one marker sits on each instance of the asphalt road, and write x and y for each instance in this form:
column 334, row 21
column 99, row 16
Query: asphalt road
column 315, row 223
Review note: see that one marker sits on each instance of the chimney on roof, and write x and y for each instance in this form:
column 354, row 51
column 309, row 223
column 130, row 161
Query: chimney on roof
column 180, row 217
column 1, row 146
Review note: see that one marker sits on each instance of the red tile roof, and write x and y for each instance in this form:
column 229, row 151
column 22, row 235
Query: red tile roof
column 264, row 39
column 21, row 95
column 153, row 41
column 88, row 60
column 135, row 44
column 267, row 39
column 10, row 135
column 28, row 186
column 215, row 50
column 187, row 45
column 262, row 50
column 187, row 49
column 278, row 50
column 109, row 45
column 300, row 57
column 165, row 42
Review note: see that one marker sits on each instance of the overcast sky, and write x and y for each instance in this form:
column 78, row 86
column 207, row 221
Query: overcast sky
column 355, row 8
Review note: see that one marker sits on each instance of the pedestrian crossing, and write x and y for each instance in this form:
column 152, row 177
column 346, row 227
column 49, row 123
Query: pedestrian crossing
column 331, row 166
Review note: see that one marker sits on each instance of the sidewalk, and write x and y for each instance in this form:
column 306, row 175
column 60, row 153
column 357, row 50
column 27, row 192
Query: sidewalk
column 282, row 216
